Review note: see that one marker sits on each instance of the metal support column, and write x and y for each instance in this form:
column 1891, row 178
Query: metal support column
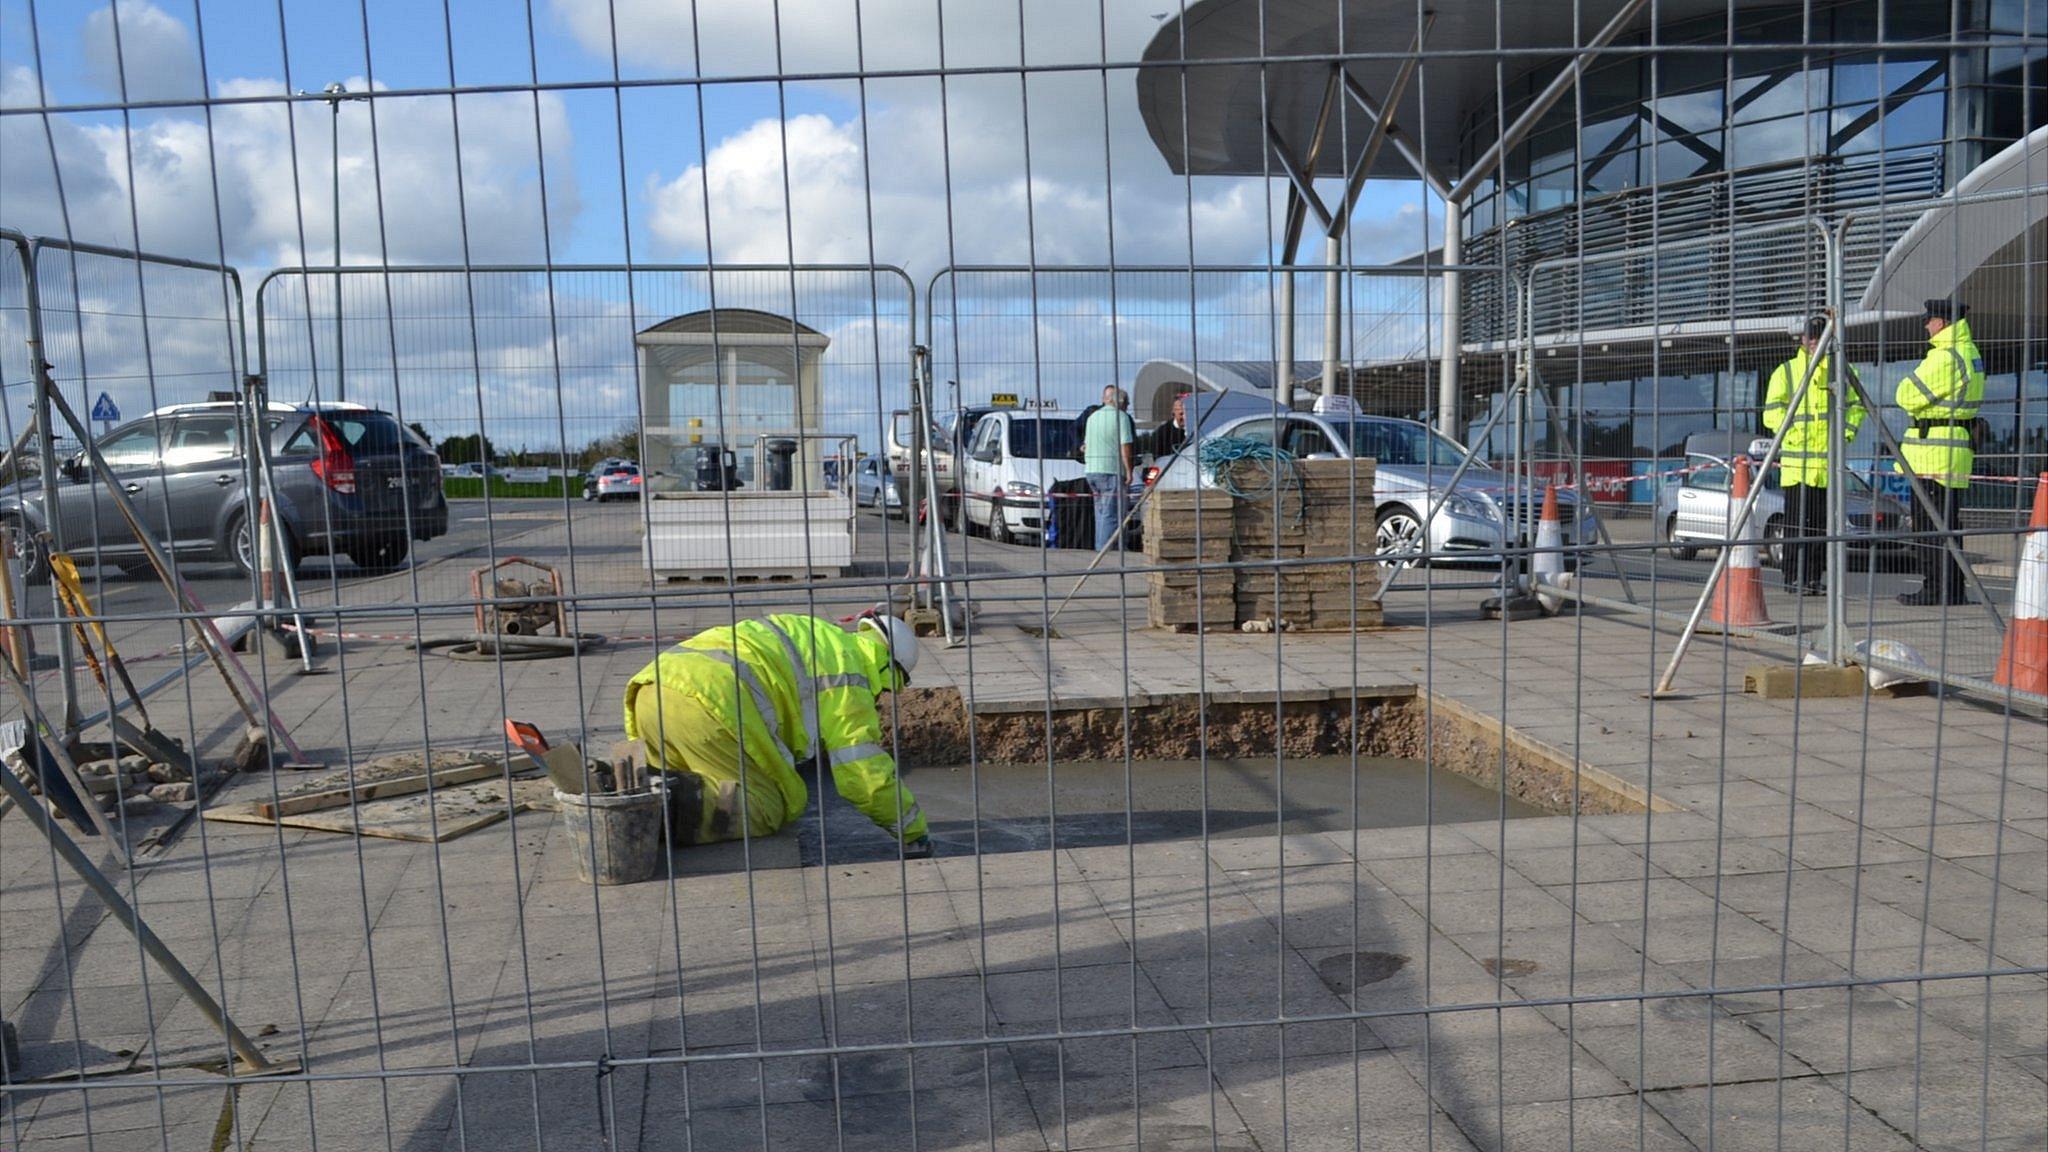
column 1454, row 337
column 1333, row 288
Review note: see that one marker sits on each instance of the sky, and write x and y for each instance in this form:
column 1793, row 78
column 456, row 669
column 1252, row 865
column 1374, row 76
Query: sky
column 889, row 171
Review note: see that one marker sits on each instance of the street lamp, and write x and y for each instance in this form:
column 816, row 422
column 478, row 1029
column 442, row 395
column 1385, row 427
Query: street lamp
column 334, row 94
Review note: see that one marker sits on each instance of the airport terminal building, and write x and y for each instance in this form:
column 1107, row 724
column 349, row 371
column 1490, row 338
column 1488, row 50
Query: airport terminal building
column 1649, row 216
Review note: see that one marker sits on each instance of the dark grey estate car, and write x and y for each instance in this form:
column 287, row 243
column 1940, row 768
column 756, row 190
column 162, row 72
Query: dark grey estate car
column 350, row 481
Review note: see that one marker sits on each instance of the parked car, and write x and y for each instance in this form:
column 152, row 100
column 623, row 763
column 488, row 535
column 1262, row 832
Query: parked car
column 948, row 439
column 1412, row 471
column 614, row 480
column 1013, row 460
column 349, row 481
column 1695, row 509
column 874, row 486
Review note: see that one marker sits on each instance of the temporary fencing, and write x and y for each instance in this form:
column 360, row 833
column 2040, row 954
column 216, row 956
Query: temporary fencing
column 1372, row 787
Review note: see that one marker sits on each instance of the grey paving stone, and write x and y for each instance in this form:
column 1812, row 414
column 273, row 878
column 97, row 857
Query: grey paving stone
column 1804, row 1114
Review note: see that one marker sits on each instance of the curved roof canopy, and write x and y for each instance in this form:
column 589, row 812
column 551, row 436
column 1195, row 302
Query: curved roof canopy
column 1991, row 254
column 1228, row 105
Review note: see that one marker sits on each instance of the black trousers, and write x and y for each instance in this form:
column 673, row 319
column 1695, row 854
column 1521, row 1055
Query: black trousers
column 1944, row 577
column 1806, row 557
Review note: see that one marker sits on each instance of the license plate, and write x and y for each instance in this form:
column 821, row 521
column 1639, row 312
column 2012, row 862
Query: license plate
column 394, row 481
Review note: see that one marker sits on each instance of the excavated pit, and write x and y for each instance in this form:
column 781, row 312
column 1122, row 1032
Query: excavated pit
column 1393, row 723
column 1191, row 768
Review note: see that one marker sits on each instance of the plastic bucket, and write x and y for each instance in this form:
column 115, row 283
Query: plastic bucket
column 615, row 839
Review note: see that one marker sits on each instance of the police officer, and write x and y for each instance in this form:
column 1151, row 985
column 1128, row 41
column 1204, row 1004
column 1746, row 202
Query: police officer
column 1803, row 458
column 733, row 712
column 1941, row 397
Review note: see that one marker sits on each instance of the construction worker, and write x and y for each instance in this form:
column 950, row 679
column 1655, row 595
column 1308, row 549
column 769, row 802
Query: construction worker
column 1941, row 397
column 742, row 707
column 1803, row 457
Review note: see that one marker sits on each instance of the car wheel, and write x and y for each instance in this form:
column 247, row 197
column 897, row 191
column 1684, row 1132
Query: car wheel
column 30, row 552
column 1678, row 551
column 1774, row 545
column 240, row 548
column 1398, row 530
column 999, row 526
column 379, row 554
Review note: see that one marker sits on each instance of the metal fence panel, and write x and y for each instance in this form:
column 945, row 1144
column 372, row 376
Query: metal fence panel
column 1325, row 801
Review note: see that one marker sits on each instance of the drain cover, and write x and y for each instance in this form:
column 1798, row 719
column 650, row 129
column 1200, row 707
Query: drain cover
column 1348, row 970
column 1508, row 966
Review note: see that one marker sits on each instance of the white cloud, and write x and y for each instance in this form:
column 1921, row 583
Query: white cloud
column 155, row 55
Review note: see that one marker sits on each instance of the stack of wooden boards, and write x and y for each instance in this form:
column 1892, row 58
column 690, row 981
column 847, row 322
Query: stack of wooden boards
column 401, row 797
column 1318, row 508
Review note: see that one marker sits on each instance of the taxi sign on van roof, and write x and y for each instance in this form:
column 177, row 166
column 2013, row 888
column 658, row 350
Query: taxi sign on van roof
column 1003, row 399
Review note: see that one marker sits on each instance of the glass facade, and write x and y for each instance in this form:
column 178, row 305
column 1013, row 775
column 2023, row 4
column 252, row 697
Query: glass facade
column 1740, row 139
column 1650, row 122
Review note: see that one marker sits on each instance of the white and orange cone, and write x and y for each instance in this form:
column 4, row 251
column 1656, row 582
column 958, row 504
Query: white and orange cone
column 1738, row 599
column 1547, row 566
column 2023, row 664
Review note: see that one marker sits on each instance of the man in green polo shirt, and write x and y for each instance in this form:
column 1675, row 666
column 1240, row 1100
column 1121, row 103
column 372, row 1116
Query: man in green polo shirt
column 1106, row 455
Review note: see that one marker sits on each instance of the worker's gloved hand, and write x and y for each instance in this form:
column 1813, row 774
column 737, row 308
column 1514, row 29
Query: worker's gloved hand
column 918, row 849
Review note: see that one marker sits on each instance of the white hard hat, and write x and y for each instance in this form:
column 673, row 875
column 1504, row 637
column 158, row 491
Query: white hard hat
column 900, row 638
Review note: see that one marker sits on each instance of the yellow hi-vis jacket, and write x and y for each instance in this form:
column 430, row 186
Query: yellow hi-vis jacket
column 795, row 688
column 1803, row 458
column 1941, row 397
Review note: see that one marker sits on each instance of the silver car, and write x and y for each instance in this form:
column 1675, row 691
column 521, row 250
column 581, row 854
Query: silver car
column 1413, row 467
column 874, row 486
column 1695, row 508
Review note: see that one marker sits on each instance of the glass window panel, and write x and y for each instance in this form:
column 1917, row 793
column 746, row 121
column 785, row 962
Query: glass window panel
column 1783, row 91
column 135, row 448
column 1611, row 173
column 1554, row 189
column 1676, row 159
column 201, row 439
column 1611, row 86
column 1921, row 120
column 1866, row 77
column 1691, row 112
column 1786, row 138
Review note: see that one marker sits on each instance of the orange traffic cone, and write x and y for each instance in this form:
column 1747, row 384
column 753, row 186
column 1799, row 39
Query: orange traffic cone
column 2023, row 665
column 1548, row 567
column 1739, row 598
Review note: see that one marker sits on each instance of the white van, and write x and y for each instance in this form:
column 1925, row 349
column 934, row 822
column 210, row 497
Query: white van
column 1012, row 459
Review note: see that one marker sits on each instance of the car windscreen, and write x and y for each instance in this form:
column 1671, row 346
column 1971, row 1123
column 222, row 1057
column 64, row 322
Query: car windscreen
column 1045, row 439
column 1399, row 443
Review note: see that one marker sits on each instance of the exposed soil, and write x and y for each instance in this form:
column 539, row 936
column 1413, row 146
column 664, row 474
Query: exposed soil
column 932, row 724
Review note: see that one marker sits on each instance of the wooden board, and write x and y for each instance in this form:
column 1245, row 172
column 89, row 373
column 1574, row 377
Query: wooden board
column 449, row 813
column 455, row 811
column 299, row 802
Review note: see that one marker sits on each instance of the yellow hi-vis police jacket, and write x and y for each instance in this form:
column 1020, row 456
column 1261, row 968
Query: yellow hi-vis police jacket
column 808, row 687
column 1941, row 397
column 1803, row 458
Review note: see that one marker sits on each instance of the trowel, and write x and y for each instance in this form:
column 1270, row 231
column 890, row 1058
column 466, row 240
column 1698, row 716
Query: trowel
column 563, row 762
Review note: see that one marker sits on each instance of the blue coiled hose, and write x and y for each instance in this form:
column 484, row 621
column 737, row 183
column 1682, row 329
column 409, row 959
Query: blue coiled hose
column 1217, row 455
